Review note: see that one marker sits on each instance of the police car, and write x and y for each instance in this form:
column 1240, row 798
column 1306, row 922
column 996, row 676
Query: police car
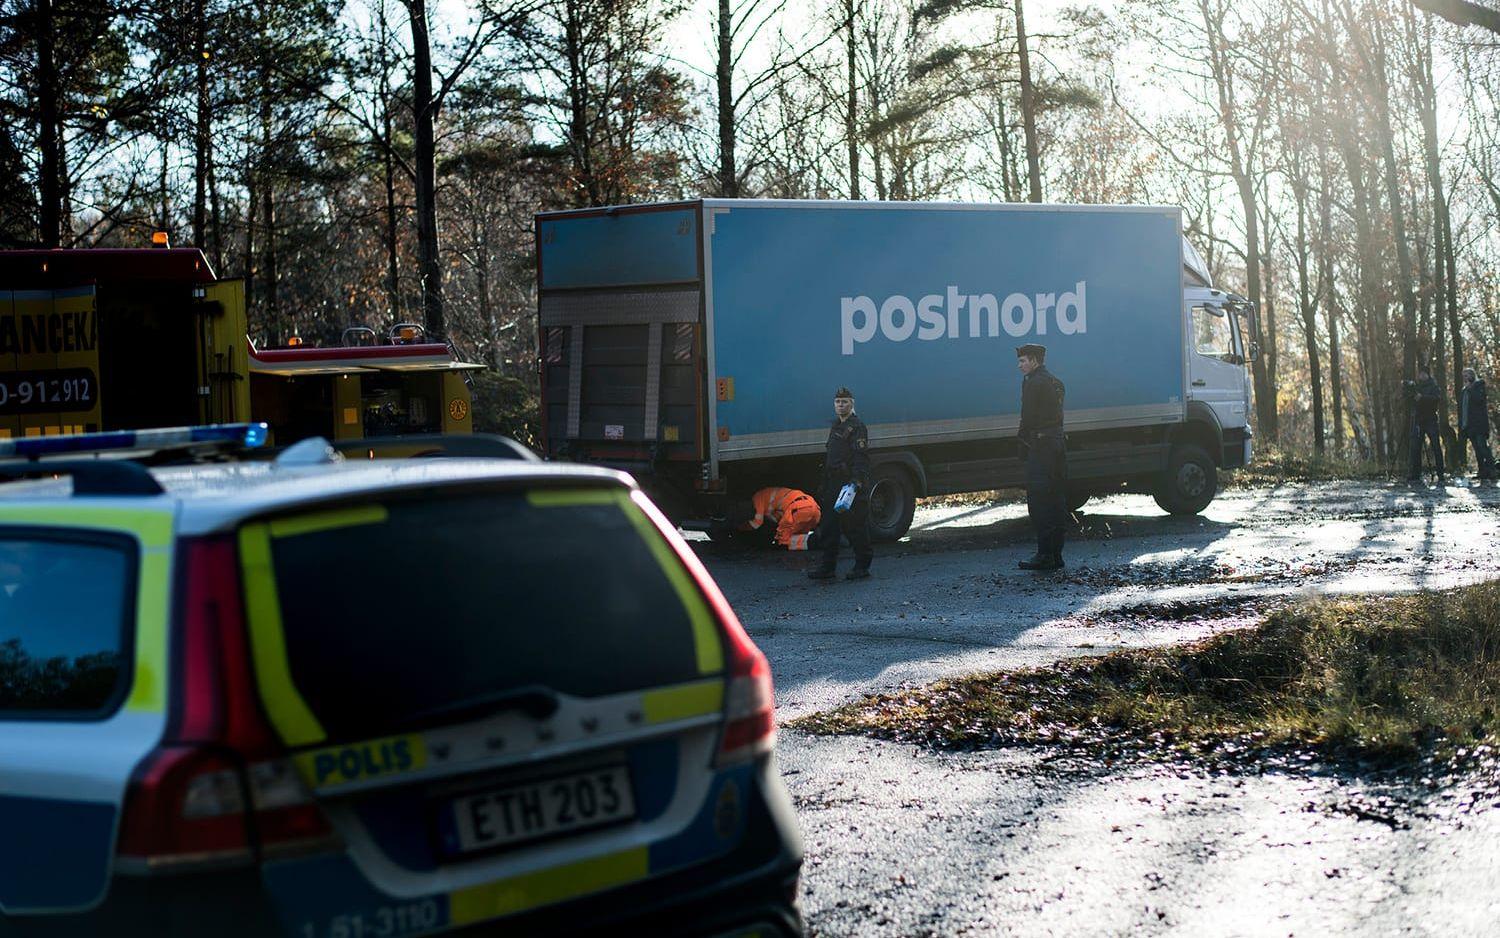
column 331, row 699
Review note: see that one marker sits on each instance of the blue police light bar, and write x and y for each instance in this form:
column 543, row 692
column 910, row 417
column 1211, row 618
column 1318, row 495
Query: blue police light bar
column 244, row 435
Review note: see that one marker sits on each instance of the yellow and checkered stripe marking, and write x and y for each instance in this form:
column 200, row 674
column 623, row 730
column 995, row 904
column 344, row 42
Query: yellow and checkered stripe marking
column 545, row 887
column 153, row 530
column 667, row 704
column 290, row 714
column 706, row 645
column 293, row 719
column 320, row 521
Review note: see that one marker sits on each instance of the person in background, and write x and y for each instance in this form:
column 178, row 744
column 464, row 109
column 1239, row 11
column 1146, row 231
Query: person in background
column 1425, row 398
column 847, row 461
column 1474, row 421
column 794, row 513
column 1041, row 432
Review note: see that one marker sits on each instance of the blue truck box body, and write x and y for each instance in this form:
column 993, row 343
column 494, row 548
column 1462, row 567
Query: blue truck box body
column 917, row 307
column 884, row 299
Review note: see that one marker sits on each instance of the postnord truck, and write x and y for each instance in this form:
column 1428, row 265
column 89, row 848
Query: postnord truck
column 698, row 345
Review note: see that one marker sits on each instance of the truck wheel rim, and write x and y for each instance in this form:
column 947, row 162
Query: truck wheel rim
column 885, row 507
column 1192, row 480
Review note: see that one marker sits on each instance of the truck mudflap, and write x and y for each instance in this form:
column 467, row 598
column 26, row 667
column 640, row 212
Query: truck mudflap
column 1236, row 448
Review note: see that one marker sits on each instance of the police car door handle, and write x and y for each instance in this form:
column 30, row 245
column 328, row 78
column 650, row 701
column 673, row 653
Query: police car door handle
column 1199, row 383
column 534, row 700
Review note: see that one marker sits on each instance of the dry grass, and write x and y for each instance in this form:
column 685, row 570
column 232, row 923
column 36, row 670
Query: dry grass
column 1382, row 677
column 1274, row 464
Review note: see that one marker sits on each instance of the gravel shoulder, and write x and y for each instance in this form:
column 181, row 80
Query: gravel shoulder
column 904, row 841
column 907, row 841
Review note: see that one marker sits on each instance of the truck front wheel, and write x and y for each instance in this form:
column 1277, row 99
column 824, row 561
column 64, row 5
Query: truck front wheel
column 1190, row 482
column 893, row 501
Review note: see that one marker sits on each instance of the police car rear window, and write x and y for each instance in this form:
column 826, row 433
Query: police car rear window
column 64, row 624
column 420, row 606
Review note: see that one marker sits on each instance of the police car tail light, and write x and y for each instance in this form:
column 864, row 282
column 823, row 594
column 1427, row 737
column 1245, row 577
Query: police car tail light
column 749, row 699
column 749, row 706
column 221, row 783
column 156, row 829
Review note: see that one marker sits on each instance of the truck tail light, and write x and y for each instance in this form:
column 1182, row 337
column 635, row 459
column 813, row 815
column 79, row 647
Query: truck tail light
column 749, row 697
column 219, row 788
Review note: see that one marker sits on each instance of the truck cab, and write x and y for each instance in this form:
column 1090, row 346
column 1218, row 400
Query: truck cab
column 1218, row 385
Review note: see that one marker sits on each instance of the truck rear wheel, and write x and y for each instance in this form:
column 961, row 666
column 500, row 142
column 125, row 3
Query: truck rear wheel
column 1190, row 482
column 893, row 502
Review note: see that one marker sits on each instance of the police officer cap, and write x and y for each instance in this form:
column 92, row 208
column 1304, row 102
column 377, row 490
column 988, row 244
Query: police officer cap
column 843, row 392
column 1038, row 352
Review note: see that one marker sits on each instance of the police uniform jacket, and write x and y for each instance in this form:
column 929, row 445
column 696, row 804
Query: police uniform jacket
column 1041, row 405
column 848, row 456
column 1474, row 411
column 1428, row 398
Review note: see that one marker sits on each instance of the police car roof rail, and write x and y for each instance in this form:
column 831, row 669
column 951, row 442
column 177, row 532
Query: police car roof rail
column 90, row 476
column 453, row 445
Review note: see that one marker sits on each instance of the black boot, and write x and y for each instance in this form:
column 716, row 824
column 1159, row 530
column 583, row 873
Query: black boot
column 822, row 570
column 861, row 571
column 1037, row 561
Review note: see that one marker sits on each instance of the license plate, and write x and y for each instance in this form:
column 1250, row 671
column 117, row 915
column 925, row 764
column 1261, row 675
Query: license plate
column 539, row 809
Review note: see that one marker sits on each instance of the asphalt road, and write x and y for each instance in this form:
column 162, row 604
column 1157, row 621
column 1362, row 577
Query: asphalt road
column 902, row 841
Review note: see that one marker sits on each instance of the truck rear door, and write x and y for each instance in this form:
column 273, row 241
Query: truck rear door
column 621, row 312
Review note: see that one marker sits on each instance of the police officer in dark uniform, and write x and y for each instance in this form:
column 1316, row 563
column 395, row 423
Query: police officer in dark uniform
column 847, row 460
column 1474, row 422
column 1041, row 433
column 1425, row 398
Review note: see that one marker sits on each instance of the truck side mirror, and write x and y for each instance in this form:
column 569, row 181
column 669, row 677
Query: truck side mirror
column 1253, row 352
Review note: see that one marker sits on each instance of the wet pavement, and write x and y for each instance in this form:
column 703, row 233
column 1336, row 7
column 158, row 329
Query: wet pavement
column 905, row 841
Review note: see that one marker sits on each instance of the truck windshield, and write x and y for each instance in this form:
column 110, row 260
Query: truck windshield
column 411, row 606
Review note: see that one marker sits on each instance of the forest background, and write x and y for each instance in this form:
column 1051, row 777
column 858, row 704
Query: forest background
column 367, row 162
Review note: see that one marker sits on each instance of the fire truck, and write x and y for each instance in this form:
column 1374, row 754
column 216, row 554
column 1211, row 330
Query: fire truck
column 129, row 339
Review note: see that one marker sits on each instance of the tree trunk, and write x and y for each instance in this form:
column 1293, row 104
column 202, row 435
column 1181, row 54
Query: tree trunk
column 163, row 193
column 1445, row 292
column 49, row 144
column 729, row 186
column 1307, row 305
column 1381, row 93
column 215, row 216
column 1008, row 180
column 268, row 218
column 1329, row 295
column 580, row 141
column 424, row 107
column 851, row 109
column 1272, row 348
column 201, row 124
column 388, row 167
column 1244, row 182
column 1028, row 110
column 248, row 262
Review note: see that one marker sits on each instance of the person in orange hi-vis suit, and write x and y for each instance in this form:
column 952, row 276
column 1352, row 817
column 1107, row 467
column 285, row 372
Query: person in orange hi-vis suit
column 795, row 514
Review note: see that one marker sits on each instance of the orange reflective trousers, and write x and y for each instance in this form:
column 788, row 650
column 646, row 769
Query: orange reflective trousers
column 794, row 512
